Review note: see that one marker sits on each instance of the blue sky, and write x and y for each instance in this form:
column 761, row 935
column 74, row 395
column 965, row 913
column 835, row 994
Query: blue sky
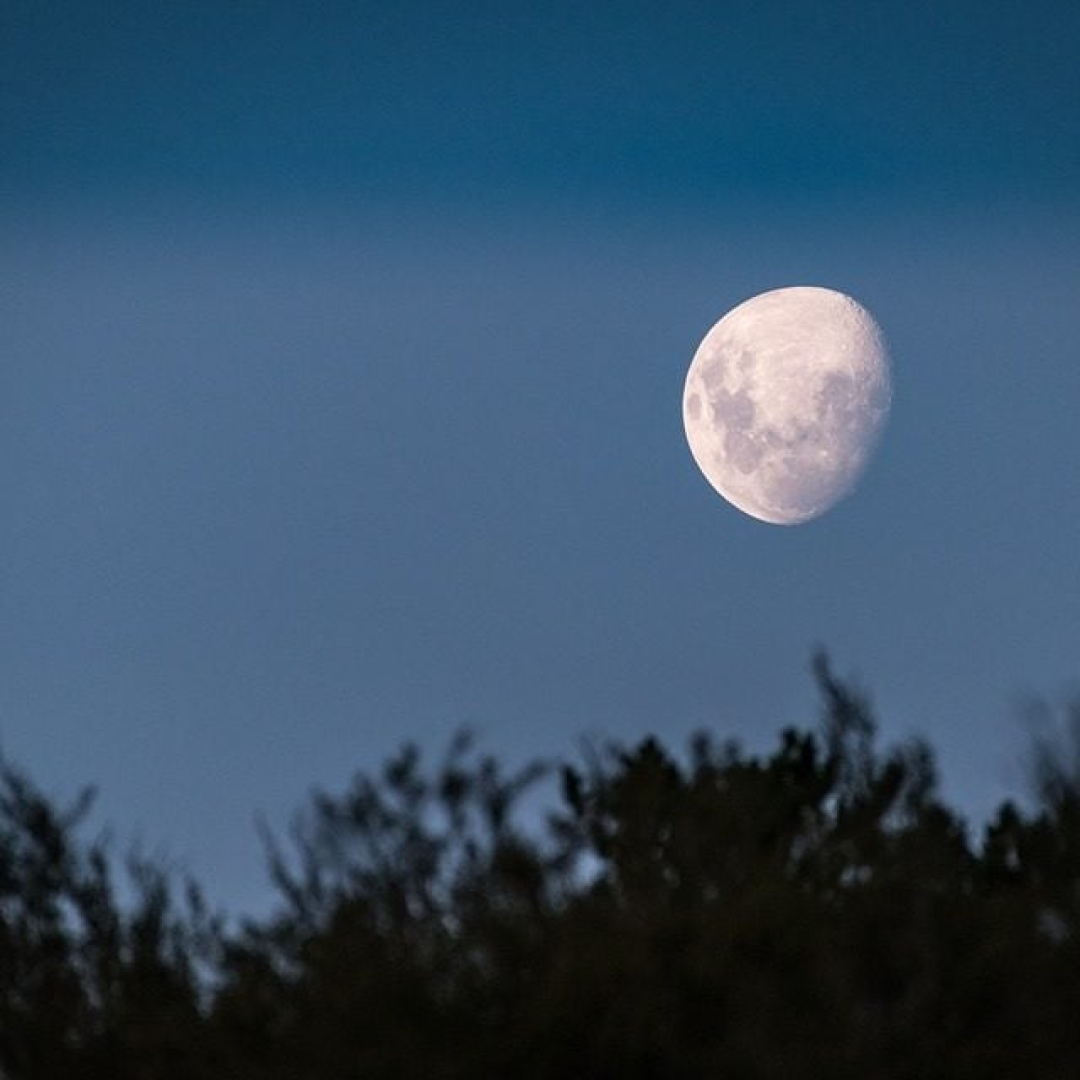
column 342, row 373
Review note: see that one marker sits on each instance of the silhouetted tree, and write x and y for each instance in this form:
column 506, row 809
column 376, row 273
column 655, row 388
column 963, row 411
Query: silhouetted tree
column 814, row 910
column 88, row 988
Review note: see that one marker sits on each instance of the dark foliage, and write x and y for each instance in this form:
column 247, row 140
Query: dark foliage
column 816, row 911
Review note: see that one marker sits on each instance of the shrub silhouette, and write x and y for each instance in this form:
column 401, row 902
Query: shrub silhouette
column 816, row 910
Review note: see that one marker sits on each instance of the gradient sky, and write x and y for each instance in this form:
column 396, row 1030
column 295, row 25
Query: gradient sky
column 341, row 373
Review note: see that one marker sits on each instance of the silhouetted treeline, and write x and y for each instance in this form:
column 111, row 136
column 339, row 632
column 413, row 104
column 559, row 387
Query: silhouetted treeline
column 817, row 911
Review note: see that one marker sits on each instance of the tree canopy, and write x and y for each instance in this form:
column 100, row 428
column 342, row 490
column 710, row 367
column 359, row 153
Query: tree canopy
column 816, row 910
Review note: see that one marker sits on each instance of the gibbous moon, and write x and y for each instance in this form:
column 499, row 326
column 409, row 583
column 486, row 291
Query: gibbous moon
column 785, row 400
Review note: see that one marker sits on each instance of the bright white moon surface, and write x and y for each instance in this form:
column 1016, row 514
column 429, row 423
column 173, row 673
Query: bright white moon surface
column 785, row 400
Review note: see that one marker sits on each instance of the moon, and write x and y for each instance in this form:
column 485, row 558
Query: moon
column 785, row 400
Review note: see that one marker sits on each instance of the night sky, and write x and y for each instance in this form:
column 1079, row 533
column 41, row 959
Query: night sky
column 341, row 373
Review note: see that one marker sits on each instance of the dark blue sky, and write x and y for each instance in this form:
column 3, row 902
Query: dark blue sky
column 497, row 102
column 342, row 367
